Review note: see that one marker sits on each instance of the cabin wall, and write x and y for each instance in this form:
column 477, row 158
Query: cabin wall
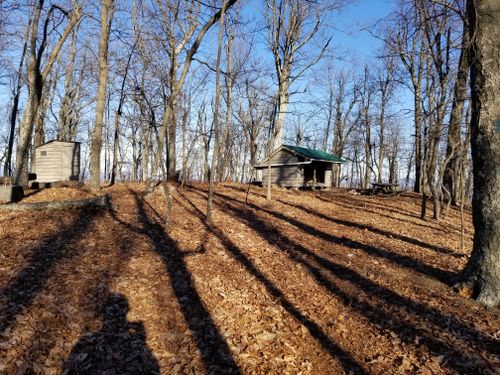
column 285, row 176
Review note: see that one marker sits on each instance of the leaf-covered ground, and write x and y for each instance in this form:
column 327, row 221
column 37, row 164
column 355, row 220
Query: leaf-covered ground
column 313, row 283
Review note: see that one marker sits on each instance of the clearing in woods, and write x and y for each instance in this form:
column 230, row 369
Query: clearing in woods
column 313, row 283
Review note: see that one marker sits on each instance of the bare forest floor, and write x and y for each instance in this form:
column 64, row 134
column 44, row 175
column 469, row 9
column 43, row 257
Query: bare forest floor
column 313, row 283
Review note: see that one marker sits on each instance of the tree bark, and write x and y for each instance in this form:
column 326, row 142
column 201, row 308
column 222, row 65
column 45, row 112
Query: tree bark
column 482, row 272
column 225, row 154
column 96, row 142
column 215, row 152
column 7, row 171
column 65, row 121
column 452, row 170
column 282, row 108
column 116, row 135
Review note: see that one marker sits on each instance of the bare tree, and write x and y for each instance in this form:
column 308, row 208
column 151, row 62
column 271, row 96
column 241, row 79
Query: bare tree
column 37, row 76
column 116, row 134
column 292, row 25
column 385, row 88
column 482, row 273
column 407, row 42
column 65, row 124
column 15, row 103
column 215, row 152
column 183, row 40
column 230, row 78
column 107, row 10
column 345, row 99
column 452, row 167
column 365, row 107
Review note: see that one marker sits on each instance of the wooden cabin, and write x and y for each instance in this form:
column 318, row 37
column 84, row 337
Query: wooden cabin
column 57, row 161
column 298, row 167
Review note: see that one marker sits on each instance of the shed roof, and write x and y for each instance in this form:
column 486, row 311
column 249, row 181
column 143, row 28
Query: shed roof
column 308, row 153
column 56, row 141
column 315, row 154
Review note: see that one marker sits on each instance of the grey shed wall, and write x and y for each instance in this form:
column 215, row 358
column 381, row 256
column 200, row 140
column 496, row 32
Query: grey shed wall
column 285, row 176
column 57, row 161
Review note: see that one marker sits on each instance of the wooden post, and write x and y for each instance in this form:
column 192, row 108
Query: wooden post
column 314, row 177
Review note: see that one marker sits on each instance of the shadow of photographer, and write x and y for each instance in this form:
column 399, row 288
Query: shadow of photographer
column 118, row 348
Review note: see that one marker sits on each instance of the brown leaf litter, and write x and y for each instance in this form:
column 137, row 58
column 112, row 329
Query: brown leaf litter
column 312, row 283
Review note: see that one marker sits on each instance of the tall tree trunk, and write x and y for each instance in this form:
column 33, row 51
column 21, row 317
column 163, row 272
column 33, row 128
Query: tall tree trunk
column 226, row 152
column 116, row 134
column 49, row 92
column 366, row 180
column 7, row 171
column 365, row 107
column 483, row 269
column 215, row 152
column 329, row 115
column 417, row 187
column 107, row 9
column 146, row 144
column 384, row 97
column 460, row 95
column 282, row 108
column 64, row 120
column 34, row 95
column 184, row 124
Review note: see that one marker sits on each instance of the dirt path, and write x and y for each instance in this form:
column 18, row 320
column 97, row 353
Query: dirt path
column 325, row 284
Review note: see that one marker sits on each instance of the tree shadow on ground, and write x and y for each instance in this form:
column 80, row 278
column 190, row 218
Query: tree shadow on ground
column 378, row 213
column 20, row 292
column 214, row 351
column 387, row 310
column 364, row 201
column 400, row 260
column 118, row 348
column 335, row 351
column 388, row 234
column 354, row 206
column 366, row 205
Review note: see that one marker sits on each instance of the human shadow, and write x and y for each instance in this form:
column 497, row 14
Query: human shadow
column 400, row 260
column 335, row 351
column 387, row 310
column 215, row 353
column 20, row 292
column 118, row 348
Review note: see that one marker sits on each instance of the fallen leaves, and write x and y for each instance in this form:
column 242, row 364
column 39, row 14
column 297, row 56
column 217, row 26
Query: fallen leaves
column 290, row 287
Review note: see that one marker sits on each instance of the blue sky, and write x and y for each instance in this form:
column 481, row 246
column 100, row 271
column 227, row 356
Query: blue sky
column 355, row 23
column 349, row 28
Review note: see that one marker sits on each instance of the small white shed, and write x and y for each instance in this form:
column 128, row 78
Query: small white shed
column 57, row 161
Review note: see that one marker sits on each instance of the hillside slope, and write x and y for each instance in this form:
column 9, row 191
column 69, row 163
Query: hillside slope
column 312, row 283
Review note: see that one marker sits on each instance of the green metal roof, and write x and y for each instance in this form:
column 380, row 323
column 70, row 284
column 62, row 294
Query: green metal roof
column 315, row 154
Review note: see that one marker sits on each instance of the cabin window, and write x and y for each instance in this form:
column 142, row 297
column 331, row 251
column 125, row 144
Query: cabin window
column 43, row 153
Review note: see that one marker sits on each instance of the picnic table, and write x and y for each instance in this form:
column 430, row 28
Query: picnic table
column 387, row 188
